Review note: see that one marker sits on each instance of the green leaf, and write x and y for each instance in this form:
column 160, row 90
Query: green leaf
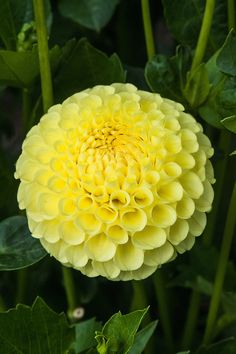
column 13, row 13
column 226, row 346
column 230, row 123
column 161, row 77
column 220, row 102
column 36, row 329
column 117, row 335
column 85, row 335
column 18, row 249
column 185, row 352
column 93, row 14
column 184, row 20
column 18, row 69
column 197, row 87
column 226, row 59
column 142, row 337
column 86, row 67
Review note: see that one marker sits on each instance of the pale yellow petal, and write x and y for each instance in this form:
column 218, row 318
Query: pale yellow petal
column 100, row 248
column 128, row 257
column 149, row 238
column 159, row 255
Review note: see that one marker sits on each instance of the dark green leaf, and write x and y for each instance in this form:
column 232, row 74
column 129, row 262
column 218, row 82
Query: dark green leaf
column 220, row 102
column 13, row 13
column 142, row 337
column 226, row 59
column 227, row 346
column 18, row 249
column 230, row 123
column 93, row 14
column 86, row 67
column 161, row 77
column 184, row 20
column 85, row 335
column 18, row 69
column 117, row 335
column 185, row 352
column 36, row 329
column 197, row 87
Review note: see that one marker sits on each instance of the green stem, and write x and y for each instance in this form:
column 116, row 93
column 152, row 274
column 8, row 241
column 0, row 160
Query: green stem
column 47, row 94
column 191, row 320
column 148, row 29
column 70, row 290
column 44, row 62
column 163, row 309
column 204, row 34
column 139, row 299
column 21, row 285
column 221, row 269
column 231, row 14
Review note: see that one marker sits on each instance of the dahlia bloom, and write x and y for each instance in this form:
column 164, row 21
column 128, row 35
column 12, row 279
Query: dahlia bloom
column 116, row 181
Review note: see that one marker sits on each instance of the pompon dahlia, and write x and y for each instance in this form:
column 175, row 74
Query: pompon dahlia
column 116, row 181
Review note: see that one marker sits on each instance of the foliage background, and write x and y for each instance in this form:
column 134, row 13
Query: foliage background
column 83, row 37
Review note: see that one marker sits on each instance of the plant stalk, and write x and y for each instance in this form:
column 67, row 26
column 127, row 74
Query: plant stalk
column 204, row 34
column 70, row 290
column 231, row 14
column 21, row 285
column 44, row 62
column 163, row 309
column 221, row 269
column 148, row 29
column 47, row 95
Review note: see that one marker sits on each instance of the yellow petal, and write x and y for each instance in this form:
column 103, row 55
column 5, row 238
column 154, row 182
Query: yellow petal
column 178, row 232
column 185, row 207
column 117, row 233
column 106, row 269
column 159, row 256
column 100, row 248
column 163, row 215
column 71, row 233
column 76, row 256
column 128, row 257
column 150, row 237
column 133, row 219
column 192, row 185
column 197, row 223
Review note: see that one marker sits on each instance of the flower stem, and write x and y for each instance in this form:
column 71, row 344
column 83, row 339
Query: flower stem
column 204, row 34
column 231, row 14
column 163, row 309
column 221, row 269
column 148, row 29
column 47, row 94
column 44, row 62
column 191, row 320
column 70, row 290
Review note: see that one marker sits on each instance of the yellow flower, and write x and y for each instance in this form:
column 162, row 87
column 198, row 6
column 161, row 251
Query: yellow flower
column 116, row 181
